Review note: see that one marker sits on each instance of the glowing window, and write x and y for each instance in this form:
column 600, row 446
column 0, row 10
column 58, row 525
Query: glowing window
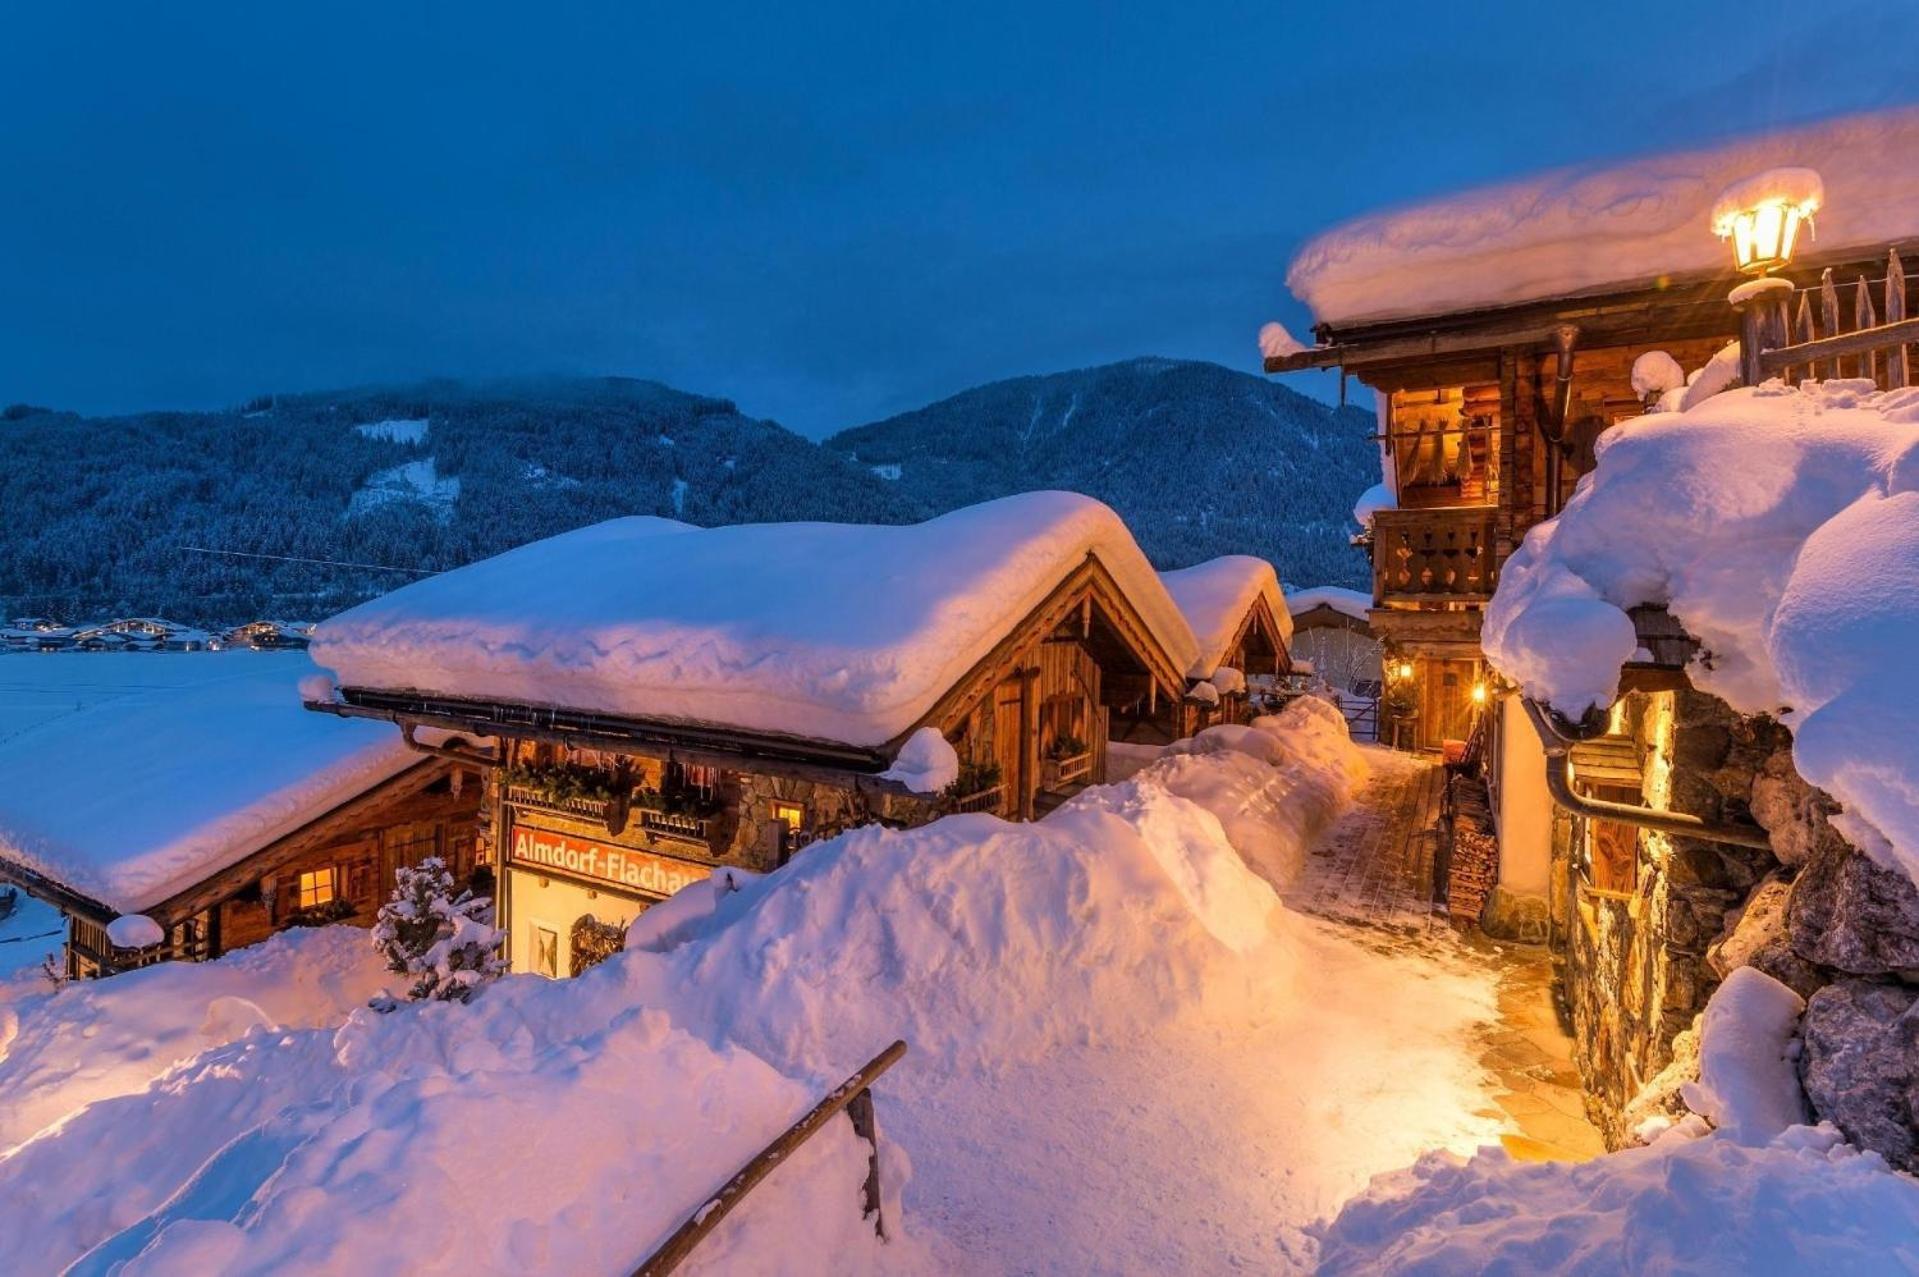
column 792, row 815
column 317, row 887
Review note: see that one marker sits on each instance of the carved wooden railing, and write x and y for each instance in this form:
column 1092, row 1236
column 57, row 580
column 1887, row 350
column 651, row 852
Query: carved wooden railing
column 852, row 1097
column 1434, row 554
column 988, row 799
column 1800, row 333
column 1077, row 767
column 595, row 810
column 675, row 825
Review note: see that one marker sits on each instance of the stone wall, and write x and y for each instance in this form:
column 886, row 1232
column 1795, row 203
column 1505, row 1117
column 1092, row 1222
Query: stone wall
column 1815, row 913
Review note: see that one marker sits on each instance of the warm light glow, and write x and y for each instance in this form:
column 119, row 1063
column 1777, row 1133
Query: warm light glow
column 1762, row 216
column 1405, row 669
column 1479, row 693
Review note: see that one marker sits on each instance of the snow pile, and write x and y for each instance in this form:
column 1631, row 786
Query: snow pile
column 829, row 631
column 1273, row 786
column 1803, row 1203
column 1354, row 603
column 1655, row 373
column 1790, row 187
column 141, row 796
column 64, row 1048
column 1583, row 229
column 1215, row 597
column 1089, row 1000
column 926, row 763
column 1748, row 1085
column 1374, row 499
column 1782, row 528
column 134, row 931
column 1276, row 343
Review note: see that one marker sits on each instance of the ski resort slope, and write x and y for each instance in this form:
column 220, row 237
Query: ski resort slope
column 1125, row 1055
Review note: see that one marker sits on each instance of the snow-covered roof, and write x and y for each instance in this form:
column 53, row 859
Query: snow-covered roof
column 133, row 800
column 1781, row 528
column 828, row 631
column 1215, row 597
column 1599, row 226
column 1354, row 603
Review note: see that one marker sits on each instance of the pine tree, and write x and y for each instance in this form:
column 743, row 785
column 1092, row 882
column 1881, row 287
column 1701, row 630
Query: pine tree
column 445, row 943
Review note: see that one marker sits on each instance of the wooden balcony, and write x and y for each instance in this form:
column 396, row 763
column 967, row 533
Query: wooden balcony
column 669, row 824
column 1445, row 555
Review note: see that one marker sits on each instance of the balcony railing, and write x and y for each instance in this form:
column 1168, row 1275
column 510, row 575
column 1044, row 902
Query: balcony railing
column 674, row 825
column 1434, row 554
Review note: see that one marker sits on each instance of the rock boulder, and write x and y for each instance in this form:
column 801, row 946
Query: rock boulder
column 1858, row 1065
column 1853, row 914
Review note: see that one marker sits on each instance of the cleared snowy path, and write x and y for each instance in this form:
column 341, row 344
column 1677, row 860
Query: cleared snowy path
column 1373, row 874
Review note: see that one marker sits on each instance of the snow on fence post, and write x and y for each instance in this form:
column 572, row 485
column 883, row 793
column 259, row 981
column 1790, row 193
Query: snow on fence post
column 1777, row 339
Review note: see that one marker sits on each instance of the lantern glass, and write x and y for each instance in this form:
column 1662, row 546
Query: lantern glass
column 1763, row 236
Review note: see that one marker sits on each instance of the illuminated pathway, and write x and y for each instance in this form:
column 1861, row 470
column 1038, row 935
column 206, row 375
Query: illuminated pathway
column 1373, row 874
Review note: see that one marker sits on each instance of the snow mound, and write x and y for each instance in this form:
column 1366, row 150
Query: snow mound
column 134, row 931
column 926, row 763
column 1781, row 526
column 1803, row 1203
column 1354, row 603
column 1374, row 499
column 1795, row 187
column 1748, row 1085
column 1656, row 372
column 830, row 631
column 1276, row 343
column 1583, row 229
column 94, row 1039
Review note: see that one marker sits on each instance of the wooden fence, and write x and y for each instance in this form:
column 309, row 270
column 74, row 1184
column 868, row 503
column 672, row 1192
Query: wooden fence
column 853, row 1097
column 1801, row 334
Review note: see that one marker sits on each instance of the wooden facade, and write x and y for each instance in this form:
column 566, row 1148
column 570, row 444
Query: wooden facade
column 338, row 867
column 1483, row 439
column 587, row 828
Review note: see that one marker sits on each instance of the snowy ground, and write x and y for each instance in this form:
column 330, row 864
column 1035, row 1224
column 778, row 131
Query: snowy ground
column 1126, row 1056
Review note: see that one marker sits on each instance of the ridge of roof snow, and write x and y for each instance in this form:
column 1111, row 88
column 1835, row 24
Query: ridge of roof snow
column 1591, row 227
column 1214, row 597
column 828, row 631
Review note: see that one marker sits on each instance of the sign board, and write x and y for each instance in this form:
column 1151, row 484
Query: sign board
column 624, row 867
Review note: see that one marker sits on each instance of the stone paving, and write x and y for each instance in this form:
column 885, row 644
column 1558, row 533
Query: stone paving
column 1374, row 872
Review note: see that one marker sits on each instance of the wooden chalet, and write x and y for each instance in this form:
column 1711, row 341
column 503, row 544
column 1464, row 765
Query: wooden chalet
column 1492, row 389
column 226, row 818
column 603, row 809
column 1239, row 617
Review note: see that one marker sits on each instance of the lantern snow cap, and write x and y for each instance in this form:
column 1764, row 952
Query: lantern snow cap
column 1761, row 215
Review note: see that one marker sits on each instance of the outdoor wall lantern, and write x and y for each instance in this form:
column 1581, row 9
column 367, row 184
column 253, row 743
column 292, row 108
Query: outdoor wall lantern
column 1479, row 693
column 1762, row 214
column 1403, row 670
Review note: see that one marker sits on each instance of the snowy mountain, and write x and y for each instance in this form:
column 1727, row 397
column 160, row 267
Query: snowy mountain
column 424, row 477
column 1199, row 459
column 108, row 515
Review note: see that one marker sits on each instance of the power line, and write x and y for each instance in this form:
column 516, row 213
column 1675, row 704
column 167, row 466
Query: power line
column 292, row 558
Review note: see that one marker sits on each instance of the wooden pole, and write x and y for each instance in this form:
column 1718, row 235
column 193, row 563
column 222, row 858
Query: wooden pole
column 1829, row 318
column 703, row 1221
column 1863, row 318
column 1898, row 371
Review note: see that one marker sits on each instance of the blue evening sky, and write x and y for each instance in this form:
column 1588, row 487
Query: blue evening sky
column 827, row 212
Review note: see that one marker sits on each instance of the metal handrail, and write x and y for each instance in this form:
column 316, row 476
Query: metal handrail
column 854, row 1097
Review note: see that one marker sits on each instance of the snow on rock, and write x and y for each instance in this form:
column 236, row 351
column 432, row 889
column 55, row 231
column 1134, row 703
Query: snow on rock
column 1215, row 596
column 926, row 763
column 1276, row 343
column 198, row 776
column 1374, row 499
column 93, row 1039
column 1803, row 1203
column 1354, row 603
column 134, row 931
column 1582, row 229
column 1781, row 526
column 829, row 631
column 1656, row 372
column 1748, row 1085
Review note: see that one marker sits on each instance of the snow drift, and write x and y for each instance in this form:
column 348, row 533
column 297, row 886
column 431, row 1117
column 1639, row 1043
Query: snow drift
column 1781, row 526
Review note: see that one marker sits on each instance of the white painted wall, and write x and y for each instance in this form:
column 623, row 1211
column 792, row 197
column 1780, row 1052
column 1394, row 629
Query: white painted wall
column 1522, row 809
column 555, row 903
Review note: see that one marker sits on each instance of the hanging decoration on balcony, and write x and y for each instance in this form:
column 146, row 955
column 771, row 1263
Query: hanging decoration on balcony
column 1762, row 216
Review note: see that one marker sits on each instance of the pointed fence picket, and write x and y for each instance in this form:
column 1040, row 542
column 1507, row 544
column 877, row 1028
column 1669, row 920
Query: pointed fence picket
column 1796, row 333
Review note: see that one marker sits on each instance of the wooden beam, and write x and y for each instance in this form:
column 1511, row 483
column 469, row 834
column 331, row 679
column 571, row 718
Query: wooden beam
column 1776, row 362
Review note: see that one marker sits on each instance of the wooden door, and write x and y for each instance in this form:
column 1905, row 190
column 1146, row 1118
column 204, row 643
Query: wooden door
column 1446, row 702
column 1007, row 712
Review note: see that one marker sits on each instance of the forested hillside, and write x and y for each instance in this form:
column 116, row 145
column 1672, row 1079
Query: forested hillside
column 109, row 515
column 100, row 512
column 1200, row 459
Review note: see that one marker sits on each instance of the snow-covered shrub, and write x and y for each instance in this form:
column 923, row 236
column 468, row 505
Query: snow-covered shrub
column 445, row 943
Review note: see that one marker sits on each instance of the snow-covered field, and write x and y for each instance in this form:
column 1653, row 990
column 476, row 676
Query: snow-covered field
column 1125, row 1056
